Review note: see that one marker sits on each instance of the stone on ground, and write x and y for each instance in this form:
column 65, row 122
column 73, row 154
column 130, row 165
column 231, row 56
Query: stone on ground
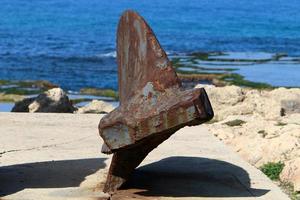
column 96, row 106
column 52, row 101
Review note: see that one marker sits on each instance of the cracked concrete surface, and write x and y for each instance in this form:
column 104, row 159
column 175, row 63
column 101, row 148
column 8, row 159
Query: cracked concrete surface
column 57, row 156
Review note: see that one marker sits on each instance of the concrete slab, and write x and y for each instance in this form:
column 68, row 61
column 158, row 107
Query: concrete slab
column 57, row 156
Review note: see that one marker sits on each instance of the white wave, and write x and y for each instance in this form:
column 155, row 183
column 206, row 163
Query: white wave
column 73, row 92
column 109, row 54
column 114, row 54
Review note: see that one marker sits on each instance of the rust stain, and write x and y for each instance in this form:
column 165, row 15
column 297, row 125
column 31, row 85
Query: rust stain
column 153, row 105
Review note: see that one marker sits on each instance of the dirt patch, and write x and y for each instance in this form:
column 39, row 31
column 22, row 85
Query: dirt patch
column 131, row 194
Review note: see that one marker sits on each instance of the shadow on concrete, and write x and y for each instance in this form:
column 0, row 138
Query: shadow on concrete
column 191, row 177
column 52, row 174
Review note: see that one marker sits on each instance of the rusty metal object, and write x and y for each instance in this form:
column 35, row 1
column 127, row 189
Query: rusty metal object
column 153, row 106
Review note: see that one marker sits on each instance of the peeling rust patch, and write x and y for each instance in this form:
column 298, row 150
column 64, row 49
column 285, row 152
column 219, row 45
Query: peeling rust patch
column 117, row 136
column 152, row 104
column 142, row 42
column 162, row 64
column 148, row 90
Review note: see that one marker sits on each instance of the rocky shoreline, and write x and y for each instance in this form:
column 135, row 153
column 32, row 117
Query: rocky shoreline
column 259, row 121
column 216, row 68
column 12, row 91
column 262, row 126
column 242, row 69
column 57, row 101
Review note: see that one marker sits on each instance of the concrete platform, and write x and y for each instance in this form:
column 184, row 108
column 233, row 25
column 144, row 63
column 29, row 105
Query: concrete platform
column 57, row 156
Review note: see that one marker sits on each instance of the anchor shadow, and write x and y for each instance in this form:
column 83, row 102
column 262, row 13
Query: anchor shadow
column 52, row 174
column 191, row 177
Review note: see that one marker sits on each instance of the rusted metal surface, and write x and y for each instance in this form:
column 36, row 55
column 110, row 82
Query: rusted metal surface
column 153, row 105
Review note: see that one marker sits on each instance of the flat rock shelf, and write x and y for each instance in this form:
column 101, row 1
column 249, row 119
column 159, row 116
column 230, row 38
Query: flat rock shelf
column 57, row 156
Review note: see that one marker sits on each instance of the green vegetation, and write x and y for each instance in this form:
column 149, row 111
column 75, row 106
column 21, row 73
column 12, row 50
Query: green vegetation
column 176, row 63
column 100, row 92
column 79, row 100
column 263, row 133
column 200, row 55
column 20, row 91
column 180, row 71
column 193, row 64
column 205, row 55
column 4, row 82
column 280, row 124
column 236, row 79
column 239, row 60
column 42, row 84
column 272, row 170
column 236, row 122
column 211, row 121
column 25, row 87
column 279, row 55
column 10, row 97
column 288, row 188
column 12, row 91
column 29, row 84
column 222, row 76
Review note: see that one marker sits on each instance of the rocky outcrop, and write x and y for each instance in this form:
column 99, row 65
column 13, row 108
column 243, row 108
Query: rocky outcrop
column 54, row 100
column 291, row 172
column 96, row 106
column 23, row 105
column 270, row 104
column 261, row 125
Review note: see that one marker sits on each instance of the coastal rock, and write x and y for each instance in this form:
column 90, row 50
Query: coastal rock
column 224, row 100
column 283, row 101
column 290, row 106
column 230, row 95
column 53, row 100
column 23, row 105
column 271, row 104
column 292, row 119
column 260, row 125
column 96, row 106
column 258, row 140
column 291, row 173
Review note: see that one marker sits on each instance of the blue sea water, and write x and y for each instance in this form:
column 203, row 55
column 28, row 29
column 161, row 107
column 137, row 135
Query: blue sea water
column 72, row 42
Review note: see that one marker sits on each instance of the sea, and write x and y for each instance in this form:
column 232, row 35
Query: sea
column 72, row 42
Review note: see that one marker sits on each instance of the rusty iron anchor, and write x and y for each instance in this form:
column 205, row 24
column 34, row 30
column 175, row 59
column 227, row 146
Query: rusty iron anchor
column 153, row 106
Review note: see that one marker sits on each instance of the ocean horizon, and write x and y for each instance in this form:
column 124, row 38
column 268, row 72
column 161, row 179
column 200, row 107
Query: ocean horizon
column 72, row 43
